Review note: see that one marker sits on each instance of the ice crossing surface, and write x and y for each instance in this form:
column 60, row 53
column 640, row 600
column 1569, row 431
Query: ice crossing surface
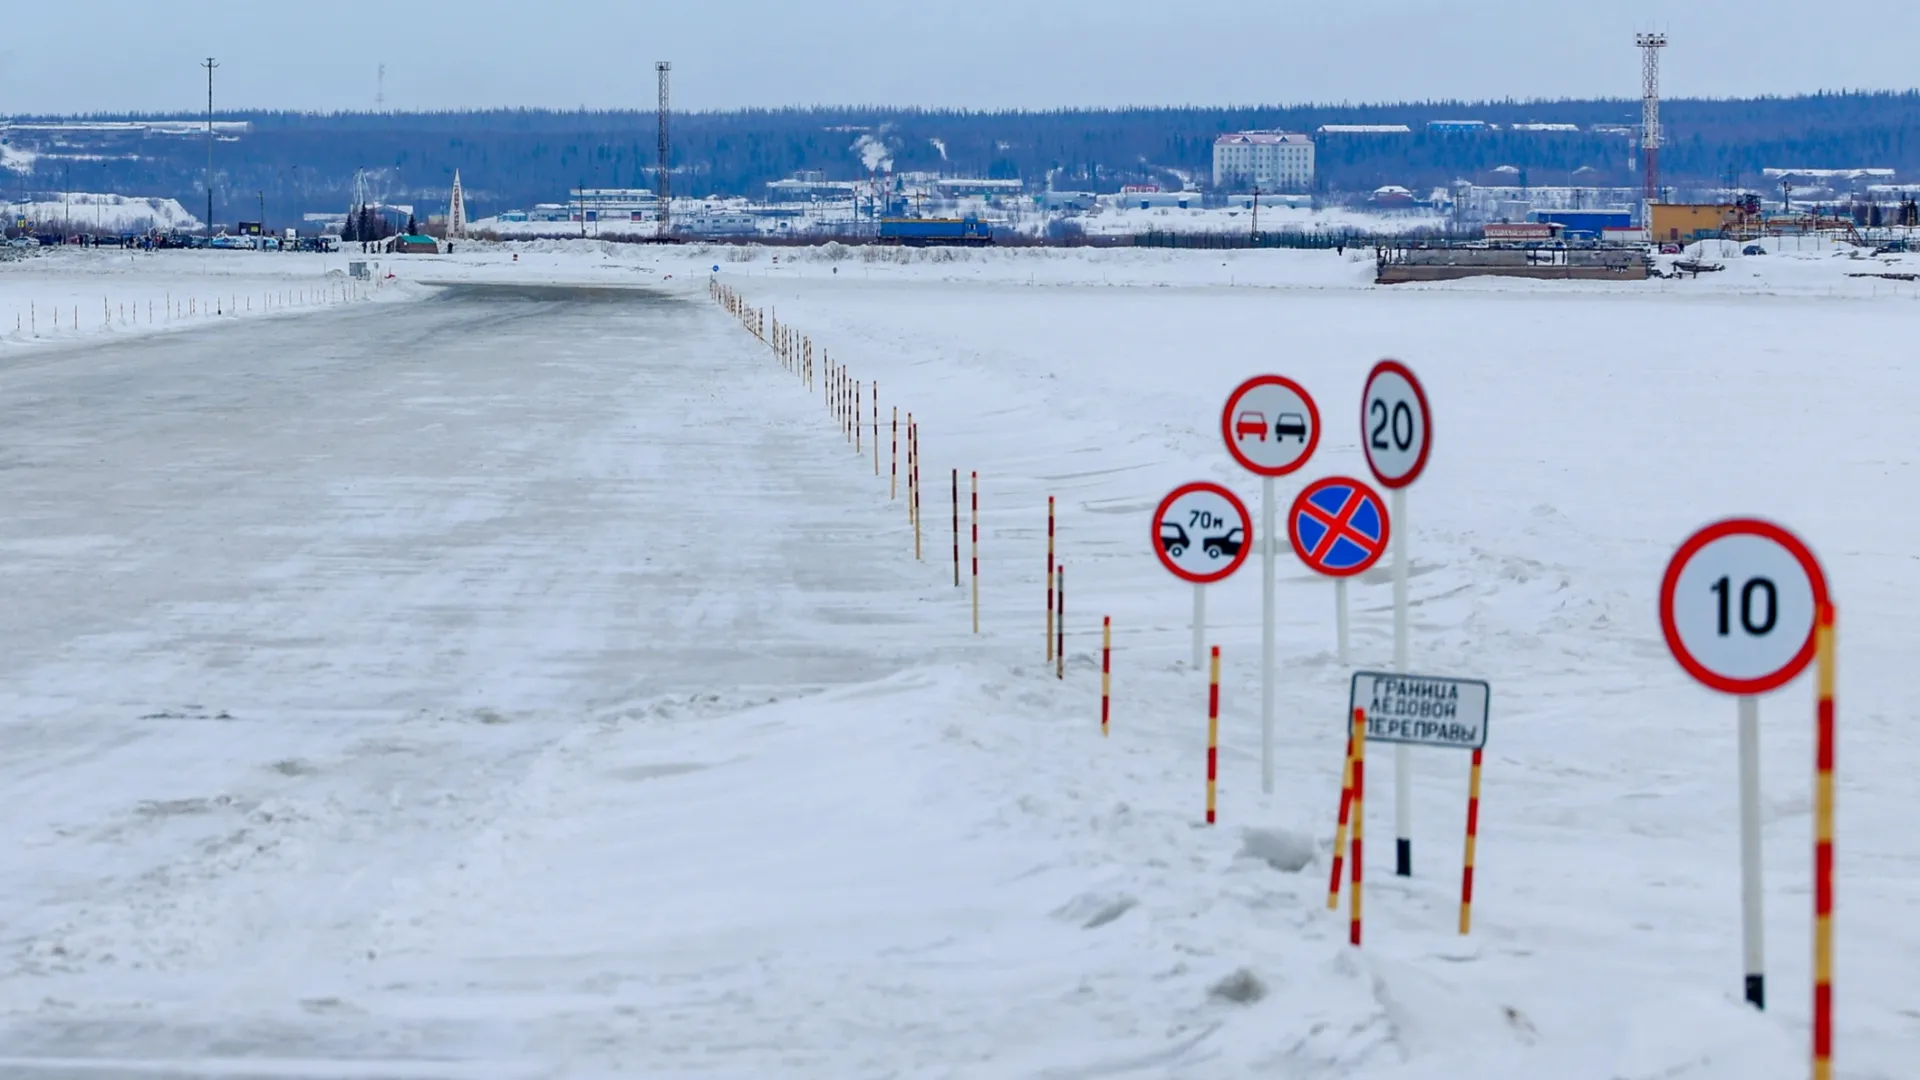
column 528, row 682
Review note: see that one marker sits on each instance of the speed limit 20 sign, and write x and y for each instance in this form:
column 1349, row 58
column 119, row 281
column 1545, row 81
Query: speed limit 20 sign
column 1396, row 427
column 1739, row 604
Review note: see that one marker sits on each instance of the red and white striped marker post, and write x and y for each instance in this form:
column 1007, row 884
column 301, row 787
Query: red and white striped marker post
column 976, row 551
column 1106, row 672
column 1049, row 577
column 1473, row 835
column 1824, row 748
column 876, row 427
column 1060, row 622
column 893, row 462
column 1213, row 732
column 1359, row 821
column 956, row 528
column 854, row 420
column 913, row 440
column 1340, row 829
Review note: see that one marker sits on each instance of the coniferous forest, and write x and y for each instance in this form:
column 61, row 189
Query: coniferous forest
column 300, row 162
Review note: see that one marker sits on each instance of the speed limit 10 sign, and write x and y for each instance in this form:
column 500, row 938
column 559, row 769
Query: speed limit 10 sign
column 1396, row 427
column 1739, row 604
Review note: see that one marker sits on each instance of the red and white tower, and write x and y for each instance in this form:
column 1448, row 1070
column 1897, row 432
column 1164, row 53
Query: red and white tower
column 1650, row 134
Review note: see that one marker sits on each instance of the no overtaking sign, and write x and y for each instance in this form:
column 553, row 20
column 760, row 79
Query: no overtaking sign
column 1422, row 710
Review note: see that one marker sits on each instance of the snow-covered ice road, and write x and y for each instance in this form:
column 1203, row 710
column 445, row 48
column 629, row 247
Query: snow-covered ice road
column 300, row 614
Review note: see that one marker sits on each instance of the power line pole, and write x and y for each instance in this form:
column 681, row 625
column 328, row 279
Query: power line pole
column 663, row 189
column 210, row 65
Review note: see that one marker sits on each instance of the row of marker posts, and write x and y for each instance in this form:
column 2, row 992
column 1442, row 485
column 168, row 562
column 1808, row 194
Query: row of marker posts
column 28, row 322
column 1351, row 820
column 855, row 407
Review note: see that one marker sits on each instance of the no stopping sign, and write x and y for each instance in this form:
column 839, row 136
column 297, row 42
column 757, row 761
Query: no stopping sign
column 1739, row 604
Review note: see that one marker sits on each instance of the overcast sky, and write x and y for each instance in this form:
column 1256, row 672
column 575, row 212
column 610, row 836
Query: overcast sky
column 117, row 55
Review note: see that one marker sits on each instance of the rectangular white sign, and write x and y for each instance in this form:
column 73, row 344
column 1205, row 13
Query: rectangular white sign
column 1424, row 710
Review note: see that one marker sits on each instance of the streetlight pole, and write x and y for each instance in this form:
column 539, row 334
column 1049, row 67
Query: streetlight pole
column 210, row 65
column 263, row 217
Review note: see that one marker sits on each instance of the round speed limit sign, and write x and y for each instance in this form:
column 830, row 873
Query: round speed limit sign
column 1739, row 603
column 1396, row 428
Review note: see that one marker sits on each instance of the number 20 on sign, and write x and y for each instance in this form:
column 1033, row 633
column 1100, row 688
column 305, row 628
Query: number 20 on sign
column 1744, row 607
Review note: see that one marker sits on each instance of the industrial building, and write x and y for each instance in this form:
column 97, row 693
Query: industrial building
column 1583, row 224
column 1263, row 159
column 613, row 204
column 1683, row 223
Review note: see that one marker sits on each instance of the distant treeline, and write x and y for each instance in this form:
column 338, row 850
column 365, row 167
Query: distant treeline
column 515, row 158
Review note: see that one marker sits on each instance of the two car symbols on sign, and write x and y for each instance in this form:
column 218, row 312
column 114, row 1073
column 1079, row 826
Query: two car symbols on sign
column 1252, row 424
column 1174, row 537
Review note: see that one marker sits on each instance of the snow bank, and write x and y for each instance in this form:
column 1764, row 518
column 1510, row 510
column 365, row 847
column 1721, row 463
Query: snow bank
column 69, row 296
column 82, row 211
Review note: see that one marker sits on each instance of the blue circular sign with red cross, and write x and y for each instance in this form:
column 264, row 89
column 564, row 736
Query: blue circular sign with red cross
column 1338, row 526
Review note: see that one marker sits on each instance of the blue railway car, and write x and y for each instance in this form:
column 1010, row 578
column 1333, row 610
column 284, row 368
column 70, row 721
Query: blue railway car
column 919, row 232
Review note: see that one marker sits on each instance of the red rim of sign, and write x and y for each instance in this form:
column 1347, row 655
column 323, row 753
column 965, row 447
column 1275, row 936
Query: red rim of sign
column 1246, row 523
column 1426, row 423
column 1670, row 584
column 1300, row 504
column 1233, row 446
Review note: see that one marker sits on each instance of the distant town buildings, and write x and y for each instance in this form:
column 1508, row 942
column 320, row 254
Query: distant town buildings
column 1270, row 160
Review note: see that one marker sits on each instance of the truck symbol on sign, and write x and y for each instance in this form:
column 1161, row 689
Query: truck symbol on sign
column 1173, row 538
column 1251, row 423
column 1290, row 423
column 1226, row 546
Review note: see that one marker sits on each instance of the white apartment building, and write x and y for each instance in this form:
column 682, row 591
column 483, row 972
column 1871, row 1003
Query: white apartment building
column 1269, row 160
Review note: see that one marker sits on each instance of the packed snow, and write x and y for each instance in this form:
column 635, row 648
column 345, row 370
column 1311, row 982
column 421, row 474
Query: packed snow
column 529, row 679
column 94, row 212
column 77, row 296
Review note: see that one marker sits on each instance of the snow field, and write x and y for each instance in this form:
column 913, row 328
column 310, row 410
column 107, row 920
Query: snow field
column 531, row 683
column 1571, row 458
column 76, row 296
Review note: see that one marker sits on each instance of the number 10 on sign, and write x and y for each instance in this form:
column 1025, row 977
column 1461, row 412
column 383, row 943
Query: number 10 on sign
column 1740, row 605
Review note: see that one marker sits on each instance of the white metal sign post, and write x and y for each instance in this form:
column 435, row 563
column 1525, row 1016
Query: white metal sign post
column 1202, row 534
column 1396, row 431
column 1272, row 428
column 1739, row 606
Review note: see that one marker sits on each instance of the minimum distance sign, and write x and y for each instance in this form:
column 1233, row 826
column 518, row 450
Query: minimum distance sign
column 1202, row 532
column 1271, row 425
column 1739, row 604
column 1396, row 427
column 1339, row 526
